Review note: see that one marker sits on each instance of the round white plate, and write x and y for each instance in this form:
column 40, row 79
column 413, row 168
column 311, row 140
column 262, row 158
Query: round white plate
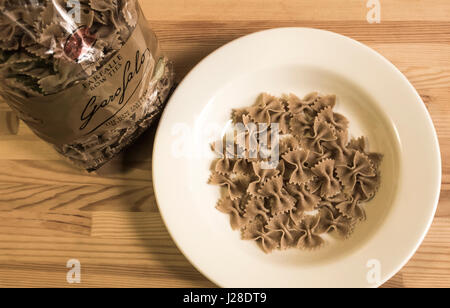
column 379, row 102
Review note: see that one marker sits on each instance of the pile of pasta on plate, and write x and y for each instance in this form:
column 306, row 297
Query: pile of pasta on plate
column 317, row 187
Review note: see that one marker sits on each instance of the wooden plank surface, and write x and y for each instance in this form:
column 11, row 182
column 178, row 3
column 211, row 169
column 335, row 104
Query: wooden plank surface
column 51, row 212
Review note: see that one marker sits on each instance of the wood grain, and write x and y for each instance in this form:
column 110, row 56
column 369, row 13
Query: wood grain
column 51, row 212
column 322, row 10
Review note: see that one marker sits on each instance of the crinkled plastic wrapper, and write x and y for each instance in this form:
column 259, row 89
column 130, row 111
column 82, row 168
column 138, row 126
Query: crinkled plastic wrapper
column 85, row 75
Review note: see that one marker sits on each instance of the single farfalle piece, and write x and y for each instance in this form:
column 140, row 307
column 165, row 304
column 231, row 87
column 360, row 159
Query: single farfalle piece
column 303, row 106
column 255, row 207
column 255, row 230
column 236, row 185
column 368, row 186
column 280, row 198
column 333, row 221
column 310, row 238
column 262, row 174
column 338, row 149
column 265, row 106
column 306, row 200
column 298, row 159
column 296, row 105
column 360, row 170
column 337, row 120
column 282, row 229
column 324, row 182
column 352, row 208
column 232, row 207
column 322, row 132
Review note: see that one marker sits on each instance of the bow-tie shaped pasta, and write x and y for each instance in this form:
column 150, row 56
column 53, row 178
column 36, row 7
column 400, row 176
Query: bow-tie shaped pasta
column 283, row 119
column 287, row 144
column 261, row 176
column 323, row 102
column 360, row 170
column 317, row 188
column 282, row 229
column 243, row 166
column 238, row 114
column 255, row 230
column 226, row 162
column 322, row 132
column 256, row 207
column 273, row 189
column 332, row 221
column 310, row 238
column 300, row 126
column 325, row 182
column 266, row 105
column 306, row 200
column 337, row 120
column 41, row 29
column 352, row 208
column 299, row 159
column 232, row 208
column 338, row 150
column 237, row 185
column 297, row 106
column 249, row 136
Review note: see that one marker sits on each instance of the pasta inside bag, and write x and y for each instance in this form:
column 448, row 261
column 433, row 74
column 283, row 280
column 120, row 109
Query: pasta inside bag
column 85, row 75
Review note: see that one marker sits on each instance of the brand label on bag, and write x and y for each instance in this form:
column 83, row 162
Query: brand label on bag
column 117, row 86
column 103, row 102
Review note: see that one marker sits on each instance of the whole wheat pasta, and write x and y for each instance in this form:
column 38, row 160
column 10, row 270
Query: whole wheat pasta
column 319, row 185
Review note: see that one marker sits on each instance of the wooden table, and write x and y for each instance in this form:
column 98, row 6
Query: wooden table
column 51, row 212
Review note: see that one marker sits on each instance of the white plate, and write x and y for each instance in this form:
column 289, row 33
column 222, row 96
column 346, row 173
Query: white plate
column 380, row 104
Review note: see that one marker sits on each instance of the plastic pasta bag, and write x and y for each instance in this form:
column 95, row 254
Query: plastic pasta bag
column 85, row 75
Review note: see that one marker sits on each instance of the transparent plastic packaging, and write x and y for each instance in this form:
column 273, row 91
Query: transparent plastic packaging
column 86, row 76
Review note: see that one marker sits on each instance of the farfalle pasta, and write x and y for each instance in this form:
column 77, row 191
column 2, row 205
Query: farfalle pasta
column 86, row 76
column 318, row 186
